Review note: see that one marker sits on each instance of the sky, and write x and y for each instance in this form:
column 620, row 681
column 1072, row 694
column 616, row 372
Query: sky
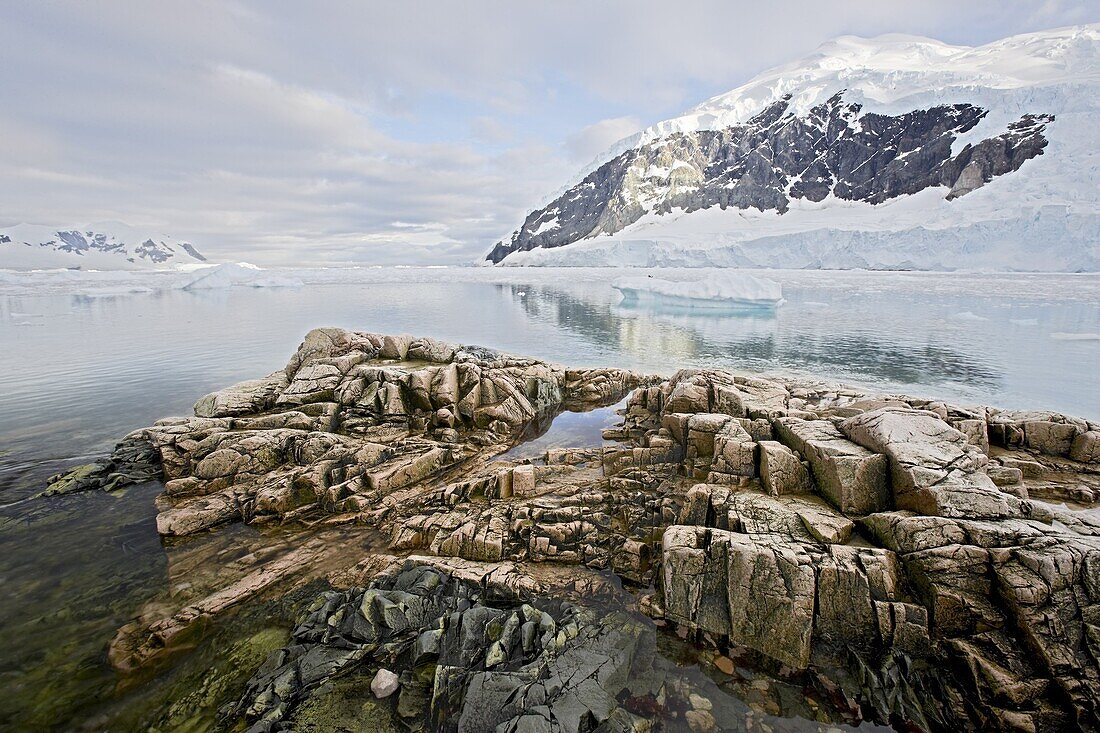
column 327, row 133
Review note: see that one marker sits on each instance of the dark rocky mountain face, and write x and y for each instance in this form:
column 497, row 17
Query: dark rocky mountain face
column 777, row 157
column 190, row 249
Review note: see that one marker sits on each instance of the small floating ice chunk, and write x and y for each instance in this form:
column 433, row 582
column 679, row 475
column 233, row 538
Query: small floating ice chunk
column 114, row 292
column 969, row 316
column 1059, row 336
column 720, row 290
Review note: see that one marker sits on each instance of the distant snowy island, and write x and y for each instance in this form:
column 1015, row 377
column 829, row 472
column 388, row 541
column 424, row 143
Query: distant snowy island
column 109, row 246
column 896, row 152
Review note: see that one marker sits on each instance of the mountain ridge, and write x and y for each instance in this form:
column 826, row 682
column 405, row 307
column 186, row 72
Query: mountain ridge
column 107, row 246
column 838, row 143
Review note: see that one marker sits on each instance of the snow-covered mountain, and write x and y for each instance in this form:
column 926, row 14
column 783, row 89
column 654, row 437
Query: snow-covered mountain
column 892, row 152
column 111, row 246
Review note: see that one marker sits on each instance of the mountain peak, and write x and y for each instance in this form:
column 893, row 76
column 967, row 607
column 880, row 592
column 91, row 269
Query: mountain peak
column 846, row 156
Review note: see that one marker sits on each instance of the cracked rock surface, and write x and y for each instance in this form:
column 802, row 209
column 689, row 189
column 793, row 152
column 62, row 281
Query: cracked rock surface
column 935, row 566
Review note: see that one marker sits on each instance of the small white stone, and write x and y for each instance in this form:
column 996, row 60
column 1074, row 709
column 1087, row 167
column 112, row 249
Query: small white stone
column 384, row 684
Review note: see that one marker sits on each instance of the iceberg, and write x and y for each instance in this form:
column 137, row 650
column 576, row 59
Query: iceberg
column 724, row 290
column 238, row 273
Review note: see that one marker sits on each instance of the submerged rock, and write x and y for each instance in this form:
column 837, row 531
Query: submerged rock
column 133, row 461
column 497, row 666
column 900, row 544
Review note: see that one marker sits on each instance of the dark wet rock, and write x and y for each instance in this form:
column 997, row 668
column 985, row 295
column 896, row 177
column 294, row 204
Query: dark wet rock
column 133, row 461
column 494, row 663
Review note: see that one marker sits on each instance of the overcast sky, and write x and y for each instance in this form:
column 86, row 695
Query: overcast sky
column 380, row 132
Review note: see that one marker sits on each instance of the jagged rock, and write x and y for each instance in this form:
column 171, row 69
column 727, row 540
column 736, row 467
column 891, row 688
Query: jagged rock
column 1018, row 576
column 953, row 605
column 749, row 397
column 934, row 468
column 1052, row 438
column 851, row 477
column 1028, row 468
column 1086, row 447
column 782, row 470
column 690, row 394
column 244, row 398
column 493, row 666
column 776, row 594
column 385, row 683
column 975, row 430
column 132, row 461
column 593, row 387
column 1047, row 432
column 805, row 518
column 523, row 481
column 1005, row 476
column 734, row 452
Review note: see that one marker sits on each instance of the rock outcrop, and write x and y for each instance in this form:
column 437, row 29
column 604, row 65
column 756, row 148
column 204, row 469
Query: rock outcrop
column 936, row 561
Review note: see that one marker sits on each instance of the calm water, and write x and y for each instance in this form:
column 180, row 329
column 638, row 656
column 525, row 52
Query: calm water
column 82, row 369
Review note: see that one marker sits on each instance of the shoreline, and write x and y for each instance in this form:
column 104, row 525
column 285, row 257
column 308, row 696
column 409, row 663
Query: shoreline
column 714, row 477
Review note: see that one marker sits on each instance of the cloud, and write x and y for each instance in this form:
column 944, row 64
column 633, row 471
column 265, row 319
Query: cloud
column 282, row 132
column 591, row 140
column 490, row 130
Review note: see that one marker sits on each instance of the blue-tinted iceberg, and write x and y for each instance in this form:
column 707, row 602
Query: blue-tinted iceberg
column 726, row 290
column 232, row 274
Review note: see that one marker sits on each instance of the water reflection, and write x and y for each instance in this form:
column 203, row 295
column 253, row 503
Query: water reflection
column 565, row 430
column 798, row 337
